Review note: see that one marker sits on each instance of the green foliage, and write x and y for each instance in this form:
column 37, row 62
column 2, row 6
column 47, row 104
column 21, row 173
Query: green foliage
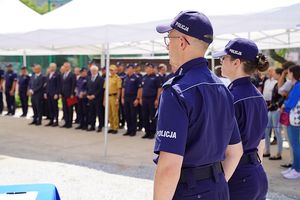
column 40, row 9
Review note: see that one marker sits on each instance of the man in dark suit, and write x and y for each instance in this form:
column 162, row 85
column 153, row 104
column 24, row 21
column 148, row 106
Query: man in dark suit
column 68, row 89
column 36, row 92
column 52, row 94
column 95, row 93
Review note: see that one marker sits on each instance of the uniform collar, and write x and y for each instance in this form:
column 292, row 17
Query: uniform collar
column 239, row 81
column 190, row 64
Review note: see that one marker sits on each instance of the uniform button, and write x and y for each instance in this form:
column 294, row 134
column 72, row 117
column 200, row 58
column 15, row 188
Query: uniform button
column 199, row 196
column 244, row 180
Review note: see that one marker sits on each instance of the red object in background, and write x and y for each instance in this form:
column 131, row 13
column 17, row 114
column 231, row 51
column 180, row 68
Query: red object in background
column 72, row 101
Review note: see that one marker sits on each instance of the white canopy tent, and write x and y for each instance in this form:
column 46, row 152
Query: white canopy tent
column 63, row 32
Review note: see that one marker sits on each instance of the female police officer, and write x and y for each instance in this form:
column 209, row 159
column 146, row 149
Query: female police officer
column 192, row 135
column 239, row 60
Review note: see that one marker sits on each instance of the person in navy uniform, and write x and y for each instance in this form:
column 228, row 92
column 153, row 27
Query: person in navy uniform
column 137, row 71
column 67, row 91
column 1, row 89
column 23, row 83
column 240, row 59
column 192, row 137
column 130, row 99
column 81, row 92
column 52, row 94
column 36, row 91
column 151, row 89
column 121, row 73
column 10, row 88
column 95, row 94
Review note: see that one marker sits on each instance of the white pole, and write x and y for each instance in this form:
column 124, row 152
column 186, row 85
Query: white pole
column 24, row 59
column 106, row 100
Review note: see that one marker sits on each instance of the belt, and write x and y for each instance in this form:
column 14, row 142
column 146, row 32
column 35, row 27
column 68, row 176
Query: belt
column 250, row 158
column 201, row 173
column 114, row 94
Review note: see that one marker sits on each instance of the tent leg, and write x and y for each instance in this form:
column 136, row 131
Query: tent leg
column 106, row 99
column 24, row 59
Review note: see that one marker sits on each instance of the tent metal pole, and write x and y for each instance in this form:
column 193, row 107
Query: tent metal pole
column 24, row 59
column 106, row 99
column 212, row 59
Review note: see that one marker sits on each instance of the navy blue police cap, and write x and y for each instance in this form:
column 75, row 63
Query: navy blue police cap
column 23, row 67
column 239, row 48
column 192, row 23
column 129, row 65
column 149, row 65
column 9, row 65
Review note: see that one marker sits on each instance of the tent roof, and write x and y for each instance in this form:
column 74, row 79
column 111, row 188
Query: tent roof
column 268, row 29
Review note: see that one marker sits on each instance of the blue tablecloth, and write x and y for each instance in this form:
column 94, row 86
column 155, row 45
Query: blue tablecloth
column 45, row 191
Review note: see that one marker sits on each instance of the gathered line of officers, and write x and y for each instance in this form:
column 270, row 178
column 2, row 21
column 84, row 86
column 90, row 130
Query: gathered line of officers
column 133, row 97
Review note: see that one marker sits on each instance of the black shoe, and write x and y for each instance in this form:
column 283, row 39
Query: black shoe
column 8, row 114
column 126, row 134
column 275, row 158
column 274, row 142
column 55, row 124
column 139, row 129
column 32, row 123
column 114, row 132
column 69, row 126
column 78, row 128
column 91, row 129
column 23, row 115
column 132, row 134
column 286, row 165
column 110, row 131
column 99, row 130
column 145, row 136
column 38, row 123
column 266, row 155
column 64, row 126
column 49, row 124
column 121, row 127
column 152, row 136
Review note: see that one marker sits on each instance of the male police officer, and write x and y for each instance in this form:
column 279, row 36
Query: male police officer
column 192, row 136
column 23, row 83
column 81, row 92
column 151, row 88
column 36, row 92
column 52, row 94
column 121, row 73
column 130, row 99
column 10, row 89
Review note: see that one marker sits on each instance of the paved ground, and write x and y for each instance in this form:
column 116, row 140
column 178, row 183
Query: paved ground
column 74, row 161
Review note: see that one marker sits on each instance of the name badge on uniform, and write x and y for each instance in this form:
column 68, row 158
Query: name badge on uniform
column 132, row 79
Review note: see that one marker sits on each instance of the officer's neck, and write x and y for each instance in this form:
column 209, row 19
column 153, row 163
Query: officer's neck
column 191, row 55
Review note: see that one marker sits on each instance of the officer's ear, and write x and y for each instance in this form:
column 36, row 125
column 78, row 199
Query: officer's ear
column 183, row 42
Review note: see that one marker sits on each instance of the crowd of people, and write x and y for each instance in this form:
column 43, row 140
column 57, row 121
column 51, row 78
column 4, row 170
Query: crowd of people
column 133, row 97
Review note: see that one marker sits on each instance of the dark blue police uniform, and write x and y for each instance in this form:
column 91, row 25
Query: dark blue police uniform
column 23, row 88
column 122, row 117
column 10, row 78
column 1, row 90
column 249, row 180
column 150, row 84
column 190, row 125
column 52, row 89
column 139, row 110
column 131, row 84
column 82, row 102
